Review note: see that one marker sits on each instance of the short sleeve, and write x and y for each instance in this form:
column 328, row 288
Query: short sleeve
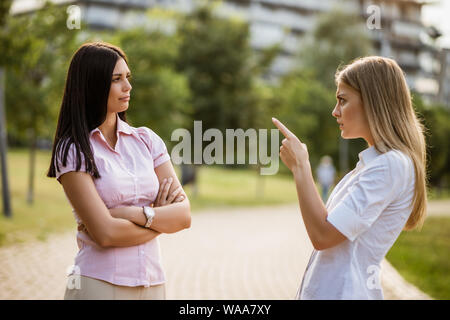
column 71, row 162
column 156, row 145
column 365, row 200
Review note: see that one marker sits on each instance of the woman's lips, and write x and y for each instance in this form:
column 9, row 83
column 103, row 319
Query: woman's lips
column 127, row 98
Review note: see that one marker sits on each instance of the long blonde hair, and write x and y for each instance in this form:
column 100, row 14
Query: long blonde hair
column 392, row 120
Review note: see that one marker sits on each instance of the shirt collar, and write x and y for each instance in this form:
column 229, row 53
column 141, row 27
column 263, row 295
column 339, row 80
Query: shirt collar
column 122, row 126
column 368, row 155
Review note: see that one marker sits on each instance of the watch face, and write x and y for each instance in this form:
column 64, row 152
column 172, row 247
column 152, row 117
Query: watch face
column 149, row 212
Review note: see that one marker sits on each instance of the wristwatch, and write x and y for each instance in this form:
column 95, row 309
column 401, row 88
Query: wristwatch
column 149, row 214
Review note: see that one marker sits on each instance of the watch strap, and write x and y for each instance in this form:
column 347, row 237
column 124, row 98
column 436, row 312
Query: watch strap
column 150, row 214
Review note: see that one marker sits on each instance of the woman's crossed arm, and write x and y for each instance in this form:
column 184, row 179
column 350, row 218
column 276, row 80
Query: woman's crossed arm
column 115, row 227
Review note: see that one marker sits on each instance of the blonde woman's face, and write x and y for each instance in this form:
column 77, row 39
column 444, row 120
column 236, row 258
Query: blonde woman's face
column 349, row 114
column 119, row 93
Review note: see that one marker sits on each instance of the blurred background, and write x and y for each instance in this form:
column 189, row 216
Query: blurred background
column 231, row 64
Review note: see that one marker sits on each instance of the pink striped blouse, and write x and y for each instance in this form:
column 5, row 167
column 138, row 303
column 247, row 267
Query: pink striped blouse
column 127, row 179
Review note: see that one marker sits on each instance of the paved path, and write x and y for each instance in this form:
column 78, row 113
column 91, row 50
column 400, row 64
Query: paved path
column 439, row 208
column 245, row 253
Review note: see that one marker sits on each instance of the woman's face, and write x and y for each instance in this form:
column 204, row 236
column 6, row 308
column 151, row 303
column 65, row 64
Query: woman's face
column 119, row 93
column 350, row 115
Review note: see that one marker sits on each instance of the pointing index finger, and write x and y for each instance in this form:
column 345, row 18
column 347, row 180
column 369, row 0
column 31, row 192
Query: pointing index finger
column 285, row 131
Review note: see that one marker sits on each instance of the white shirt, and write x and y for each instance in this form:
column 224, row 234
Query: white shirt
column 370, row 206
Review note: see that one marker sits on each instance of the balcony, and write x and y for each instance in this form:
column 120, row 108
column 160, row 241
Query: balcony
column 406, row 29
column 101, row 17
column 282, row 17
column 304, row 5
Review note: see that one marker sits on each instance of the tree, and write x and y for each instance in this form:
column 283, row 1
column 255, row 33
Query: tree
column 337, row 39
column 4, row 10
column 38, row 46
column 436, row 119
column 215, row 57
column 160, row 96
column 305, row 106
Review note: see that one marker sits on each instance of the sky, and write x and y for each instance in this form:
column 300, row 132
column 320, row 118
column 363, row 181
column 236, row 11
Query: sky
column 438, row 15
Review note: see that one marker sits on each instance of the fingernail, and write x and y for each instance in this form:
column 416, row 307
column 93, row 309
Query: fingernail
column 164, row 180
column 170, row 179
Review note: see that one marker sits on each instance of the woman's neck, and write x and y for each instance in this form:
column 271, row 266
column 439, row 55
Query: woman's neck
column 109, row 126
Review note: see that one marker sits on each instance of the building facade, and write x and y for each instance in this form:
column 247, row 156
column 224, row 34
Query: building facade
column 401, row 35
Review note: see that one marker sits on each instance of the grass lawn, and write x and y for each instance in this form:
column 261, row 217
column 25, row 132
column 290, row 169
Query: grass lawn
column 435, row 194
column 219, row 187
column 51, row 211
column 423, row 257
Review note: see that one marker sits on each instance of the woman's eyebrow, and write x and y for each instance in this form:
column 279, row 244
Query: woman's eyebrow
column 338, row 95
column 119, row 74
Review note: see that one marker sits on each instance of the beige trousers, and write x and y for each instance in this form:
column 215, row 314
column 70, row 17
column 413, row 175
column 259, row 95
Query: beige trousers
column 94, row 289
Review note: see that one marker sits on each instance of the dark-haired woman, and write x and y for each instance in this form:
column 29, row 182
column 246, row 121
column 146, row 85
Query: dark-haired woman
column 118, row 179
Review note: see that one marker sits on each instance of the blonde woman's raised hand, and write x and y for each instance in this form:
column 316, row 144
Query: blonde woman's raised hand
column 293, row 152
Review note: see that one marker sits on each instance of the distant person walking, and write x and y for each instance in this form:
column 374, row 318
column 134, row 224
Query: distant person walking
column 325, row 175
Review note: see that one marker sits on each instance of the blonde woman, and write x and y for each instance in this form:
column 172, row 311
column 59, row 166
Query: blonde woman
column 385, row 194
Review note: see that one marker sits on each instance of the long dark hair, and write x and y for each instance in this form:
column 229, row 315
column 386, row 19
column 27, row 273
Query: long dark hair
column 84, row 104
